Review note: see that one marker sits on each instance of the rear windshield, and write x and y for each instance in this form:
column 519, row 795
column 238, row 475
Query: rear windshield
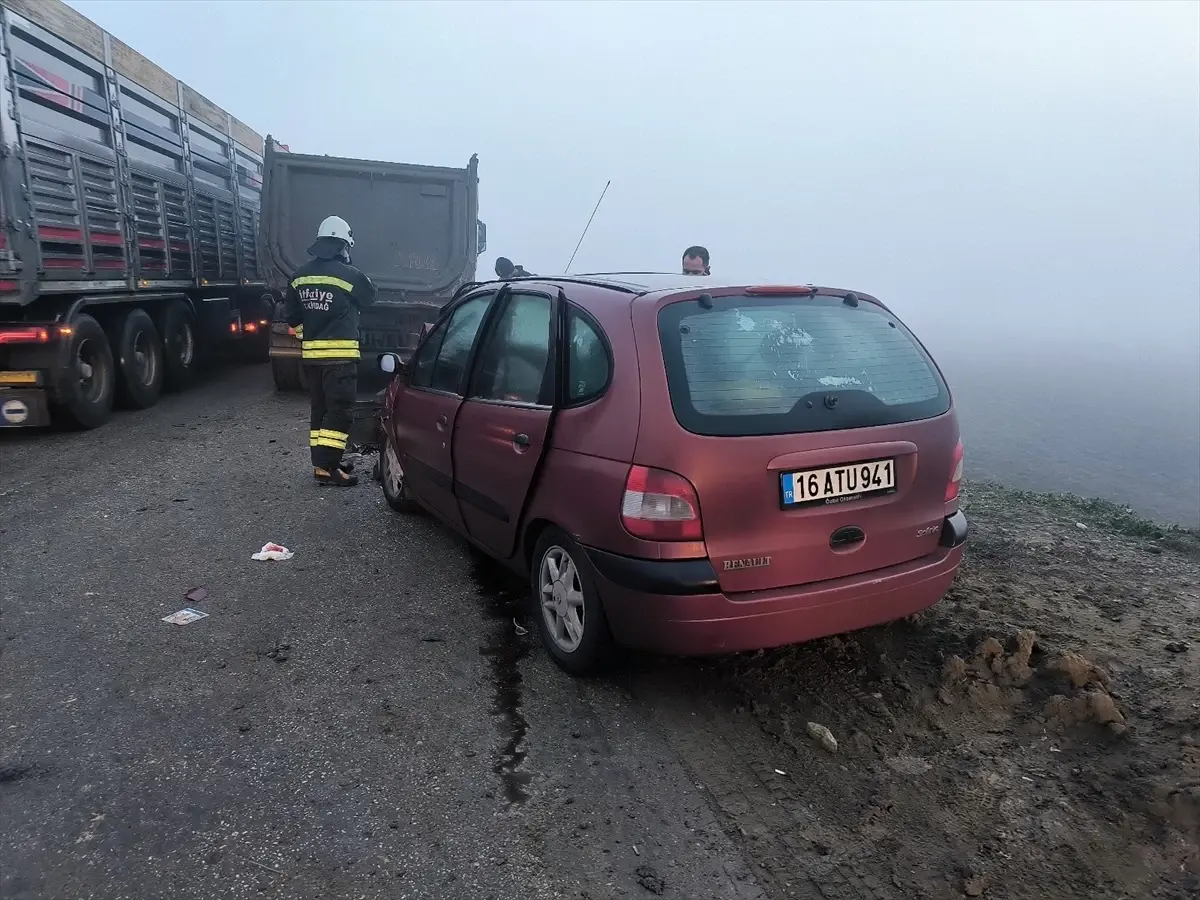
column 778, row 365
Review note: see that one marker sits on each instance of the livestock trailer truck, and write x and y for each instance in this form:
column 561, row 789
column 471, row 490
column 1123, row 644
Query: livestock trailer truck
column 416, row 235
column 129, row 206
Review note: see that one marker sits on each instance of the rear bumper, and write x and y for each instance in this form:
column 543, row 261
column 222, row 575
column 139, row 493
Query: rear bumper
column 677, row 607
column 24, row 408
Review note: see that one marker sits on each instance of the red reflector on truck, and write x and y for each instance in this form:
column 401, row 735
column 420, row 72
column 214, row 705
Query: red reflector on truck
column 36, row 335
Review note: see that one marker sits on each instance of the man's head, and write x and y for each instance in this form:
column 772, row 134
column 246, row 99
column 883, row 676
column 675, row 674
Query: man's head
column 334, row 238
column 504, row 267
column 695, row 261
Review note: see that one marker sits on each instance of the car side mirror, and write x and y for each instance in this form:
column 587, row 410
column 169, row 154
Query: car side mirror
column 391, row 363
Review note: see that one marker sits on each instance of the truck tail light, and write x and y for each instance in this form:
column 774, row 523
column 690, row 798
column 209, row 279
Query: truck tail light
column 36, row 334
column 660, row 506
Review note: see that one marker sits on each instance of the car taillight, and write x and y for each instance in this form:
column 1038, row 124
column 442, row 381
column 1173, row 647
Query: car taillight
column 956, row 473
column 660, row 506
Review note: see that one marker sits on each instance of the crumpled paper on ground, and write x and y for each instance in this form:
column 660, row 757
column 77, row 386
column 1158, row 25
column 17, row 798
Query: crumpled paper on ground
column 273, row 551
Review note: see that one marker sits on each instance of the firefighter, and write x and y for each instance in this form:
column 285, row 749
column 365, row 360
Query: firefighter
column 323, row 303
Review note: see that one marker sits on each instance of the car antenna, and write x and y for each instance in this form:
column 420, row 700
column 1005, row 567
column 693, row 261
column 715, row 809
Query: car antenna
column 587, row 226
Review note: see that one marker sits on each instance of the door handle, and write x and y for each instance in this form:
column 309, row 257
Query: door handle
column 442, row 422
column 521, row 440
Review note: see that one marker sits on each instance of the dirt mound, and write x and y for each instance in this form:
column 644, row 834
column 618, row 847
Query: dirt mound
column 1000, row 677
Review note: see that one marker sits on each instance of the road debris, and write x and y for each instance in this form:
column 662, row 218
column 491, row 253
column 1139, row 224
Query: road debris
column 649, row 878
column 975, row 886
column 273, row 551
column 196, row 595
column 519, row 628
column 280, row 652
column 185, row 616
column 822, row 736
column 1177, row 647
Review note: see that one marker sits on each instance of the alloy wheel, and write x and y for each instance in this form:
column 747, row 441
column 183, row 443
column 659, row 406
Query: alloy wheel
column 561, row 599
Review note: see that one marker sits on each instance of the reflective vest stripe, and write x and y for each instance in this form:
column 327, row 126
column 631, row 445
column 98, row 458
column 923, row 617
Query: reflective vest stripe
column 330, row 354
column 326, row 437
column 339, row 349
column 327, row 280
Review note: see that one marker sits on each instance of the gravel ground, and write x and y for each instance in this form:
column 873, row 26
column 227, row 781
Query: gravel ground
column 360, row 721
column 368, row 720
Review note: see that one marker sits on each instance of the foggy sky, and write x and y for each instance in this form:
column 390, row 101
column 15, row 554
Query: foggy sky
column 1028, row 170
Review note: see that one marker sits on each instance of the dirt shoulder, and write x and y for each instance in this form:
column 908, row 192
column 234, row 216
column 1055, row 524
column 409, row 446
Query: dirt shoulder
column 1035, row 735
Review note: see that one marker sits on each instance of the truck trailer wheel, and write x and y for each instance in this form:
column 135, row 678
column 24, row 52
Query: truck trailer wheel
column 286, row 373
column 178, row 328
column 139, row 354
column 87, row 387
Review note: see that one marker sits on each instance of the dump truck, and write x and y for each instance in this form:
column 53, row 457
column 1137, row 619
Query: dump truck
column 129, row 206
column 416, row 235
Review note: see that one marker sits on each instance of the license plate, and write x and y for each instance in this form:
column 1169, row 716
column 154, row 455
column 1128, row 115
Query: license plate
column 19, row 378
column 837, row 484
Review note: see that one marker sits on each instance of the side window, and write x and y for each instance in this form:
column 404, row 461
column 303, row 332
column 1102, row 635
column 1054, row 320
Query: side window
column 517, row 356
column 588, row 368
column 421, row 368
column 454, row 356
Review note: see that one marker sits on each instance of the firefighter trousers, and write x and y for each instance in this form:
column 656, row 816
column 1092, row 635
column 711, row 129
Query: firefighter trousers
column 331, row 391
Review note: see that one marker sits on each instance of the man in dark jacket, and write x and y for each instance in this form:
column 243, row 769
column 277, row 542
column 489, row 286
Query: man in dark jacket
column 506, row 271
column 323, row 303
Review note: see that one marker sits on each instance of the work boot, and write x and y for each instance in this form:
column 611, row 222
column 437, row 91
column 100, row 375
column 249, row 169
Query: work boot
column 337, row 477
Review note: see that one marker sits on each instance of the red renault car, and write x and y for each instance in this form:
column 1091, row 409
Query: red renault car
column 681, row 465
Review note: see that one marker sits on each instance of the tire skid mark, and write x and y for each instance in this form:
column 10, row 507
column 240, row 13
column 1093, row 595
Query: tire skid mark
column 793, row 854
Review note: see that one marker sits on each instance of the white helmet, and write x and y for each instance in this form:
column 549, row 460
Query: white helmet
column 336, row 227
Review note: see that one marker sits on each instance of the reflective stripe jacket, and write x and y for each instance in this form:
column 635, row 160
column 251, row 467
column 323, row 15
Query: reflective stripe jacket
column 323, row 302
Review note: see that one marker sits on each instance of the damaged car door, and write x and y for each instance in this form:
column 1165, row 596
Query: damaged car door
column 428, row 406
column 503, row 423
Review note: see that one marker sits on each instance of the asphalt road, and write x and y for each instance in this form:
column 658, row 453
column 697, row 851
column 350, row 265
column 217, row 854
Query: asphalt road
column 362, row 721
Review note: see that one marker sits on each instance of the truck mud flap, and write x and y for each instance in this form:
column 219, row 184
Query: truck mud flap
column 23, row 409
column 365, row 430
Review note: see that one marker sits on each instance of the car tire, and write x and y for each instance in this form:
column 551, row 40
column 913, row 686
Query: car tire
column 286, row 374
column 86, row 395
column 583, row 648
column 391, row 476
column 180, row 361
column 139, row 357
